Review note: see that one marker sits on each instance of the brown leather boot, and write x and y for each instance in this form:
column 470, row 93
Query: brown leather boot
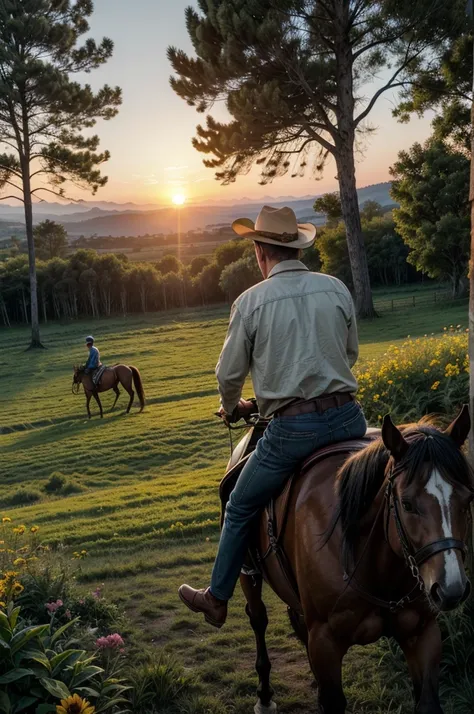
column 214, row 610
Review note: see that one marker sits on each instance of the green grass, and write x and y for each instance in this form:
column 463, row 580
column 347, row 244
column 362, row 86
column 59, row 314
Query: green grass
column 146, row 509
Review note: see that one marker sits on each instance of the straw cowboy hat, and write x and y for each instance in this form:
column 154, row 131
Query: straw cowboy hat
column 276, row 226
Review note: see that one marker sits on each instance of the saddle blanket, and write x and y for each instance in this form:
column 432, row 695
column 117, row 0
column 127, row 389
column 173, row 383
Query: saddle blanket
column 97, row 376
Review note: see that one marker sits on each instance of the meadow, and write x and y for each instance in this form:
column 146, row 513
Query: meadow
column 139, row 493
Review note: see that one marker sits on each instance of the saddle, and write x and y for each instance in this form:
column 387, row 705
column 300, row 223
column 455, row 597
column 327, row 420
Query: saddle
column 266, row 556
column 97, row 376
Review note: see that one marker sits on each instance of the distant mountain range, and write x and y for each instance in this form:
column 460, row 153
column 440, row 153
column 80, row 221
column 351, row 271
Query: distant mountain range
column 89, row 218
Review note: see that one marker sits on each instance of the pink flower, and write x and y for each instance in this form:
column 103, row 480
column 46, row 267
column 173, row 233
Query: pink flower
column 81, row 602
column 96, row 594
column 112, row 642
column 53, row 606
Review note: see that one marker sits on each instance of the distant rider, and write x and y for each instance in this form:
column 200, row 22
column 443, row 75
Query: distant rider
column 93, row 363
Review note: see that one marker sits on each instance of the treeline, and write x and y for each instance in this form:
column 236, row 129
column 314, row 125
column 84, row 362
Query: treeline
column 87, row 284
column 137, row 243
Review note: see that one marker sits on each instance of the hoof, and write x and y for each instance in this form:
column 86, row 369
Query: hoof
column 260, row 709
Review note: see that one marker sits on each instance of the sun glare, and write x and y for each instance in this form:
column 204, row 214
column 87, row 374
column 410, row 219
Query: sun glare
column 179, row 199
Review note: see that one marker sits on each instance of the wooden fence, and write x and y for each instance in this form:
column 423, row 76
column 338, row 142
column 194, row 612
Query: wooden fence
column 437, row 299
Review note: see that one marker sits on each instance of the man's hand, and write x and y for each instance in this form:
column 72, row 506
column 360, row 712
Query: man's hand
column 244, row 408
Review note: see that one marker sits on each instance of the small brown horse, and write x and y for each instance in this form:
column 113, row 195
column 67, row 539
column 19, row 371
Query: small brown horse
column 111, row 378
column 376, row 543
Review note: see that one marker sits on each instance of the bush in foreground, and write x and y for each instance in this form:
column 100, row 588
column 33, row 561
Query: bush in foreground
column 427, row 375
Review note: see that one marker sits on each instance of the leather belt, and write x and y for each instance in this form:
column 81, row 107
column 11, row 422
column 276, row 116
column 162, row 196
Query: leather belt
column 318, row 404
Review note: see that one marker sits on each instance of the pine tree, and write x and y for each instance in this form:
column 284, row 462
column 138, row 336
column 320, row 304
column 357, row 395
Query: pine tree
column 294, row 75
column 43, row 110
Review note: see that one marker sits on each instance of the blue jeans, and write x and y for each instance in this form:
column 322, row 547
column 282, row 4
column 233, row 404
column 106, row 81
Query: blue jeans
column 286, row 442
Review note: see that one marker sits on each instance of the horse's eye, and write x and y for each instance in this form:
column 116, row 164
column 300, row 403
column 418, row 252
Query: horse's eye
column 407, row 506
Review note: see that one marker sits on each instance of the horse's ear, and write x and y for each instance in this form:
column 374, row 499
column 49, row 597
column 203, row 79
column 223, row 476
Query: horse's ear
column 393, row 439
column 460, row 427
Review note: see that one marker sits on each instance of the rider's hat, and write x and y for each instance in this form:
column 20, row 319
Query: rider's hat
column 277, row 226
column 89, row 340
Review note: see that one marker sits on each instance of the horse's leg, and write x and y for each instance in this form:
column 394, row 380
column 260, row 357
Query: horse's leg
column 117, row 395
column 128, row 387
column 257, row 614
column 96, row 397
column 423, row 654
column 325, row 656
column 88, row 400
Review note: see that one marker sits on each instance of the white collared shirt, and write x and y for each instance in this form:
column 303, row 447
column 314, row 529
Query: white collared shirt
column 296, row 333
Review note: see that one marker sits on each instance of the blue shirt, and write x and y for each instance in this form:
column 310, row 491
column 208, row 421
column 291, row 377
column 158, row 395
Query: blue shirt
column 94, row 358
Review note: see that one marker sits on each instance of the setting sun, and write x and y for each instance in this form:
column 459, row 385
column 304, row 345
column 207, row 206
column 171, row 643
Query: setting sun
column 179, row 199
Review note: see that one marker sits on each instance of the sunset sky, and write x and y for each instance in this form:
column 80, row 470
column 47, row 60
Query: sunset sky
column 150, row 139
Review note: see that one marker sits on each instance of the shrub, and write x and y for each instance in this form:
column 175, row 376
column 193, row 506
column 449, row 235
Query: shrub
column 58, row 484
column 22, row 497
column 159, row 687
column 39, row 667
column 424, row 376
column 55, row 483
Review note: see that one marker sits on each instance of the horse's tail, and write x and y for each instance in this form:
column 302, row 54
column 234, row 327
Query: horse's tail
column 137, row 382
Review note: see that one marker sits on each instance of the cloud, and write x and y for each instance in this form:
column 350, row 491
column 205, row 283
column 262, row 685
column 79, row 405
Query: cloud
column 175, row 168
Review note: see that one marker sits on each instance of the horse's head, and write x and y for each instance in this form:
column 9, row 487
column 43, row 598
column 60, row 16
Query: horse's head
column 77, row 375
column 431, row 488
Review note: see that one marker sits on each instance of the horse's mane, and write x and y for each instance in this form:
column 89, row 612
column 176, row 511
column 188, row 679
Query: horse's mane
column 363, row 474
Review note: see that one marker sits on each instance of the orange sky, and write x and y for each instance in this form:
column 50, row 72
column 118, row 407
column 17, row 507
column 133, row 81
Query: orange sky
column 150, row 140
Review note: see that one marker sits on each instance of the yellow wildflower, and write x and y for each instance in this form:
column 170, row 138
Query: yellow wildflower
column 19, row 562
column 20, row 530
column 390, row 381
column 34, row 529
column 435, row 386
column 6, row 520
column 75, row 705
column 17, row 588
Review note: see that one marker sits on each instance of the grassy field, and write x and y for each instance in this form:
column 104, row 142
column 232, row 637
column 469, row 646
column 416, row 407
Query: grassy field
column 142, row 492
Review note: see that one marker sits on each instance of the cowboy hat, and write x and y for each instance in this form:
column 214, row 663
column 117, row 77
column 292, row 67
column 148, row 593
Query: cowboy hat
column 276, row 226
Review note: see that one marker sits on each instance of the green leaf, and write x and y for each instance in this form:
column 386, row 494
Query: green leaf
column 85, row 674
column 56, row 688
column 63, row 629
column 45, row 709
column 5, row 705
column 4, row 621
column 21, row 638
column 14, row 675
column 23, row 703
column 40, row 657
column 63, row 659
column 14, row 617
column 88, row 692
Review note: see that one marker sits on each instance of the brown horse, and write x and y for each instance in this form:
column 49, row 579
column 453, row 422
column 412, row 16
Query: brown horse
column 111, row 378
column 376, row 542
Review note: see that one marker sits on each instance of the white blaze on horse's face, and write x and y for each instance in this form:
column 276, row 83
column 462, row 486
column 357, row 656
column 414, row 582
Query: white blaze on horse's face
column 442, row 491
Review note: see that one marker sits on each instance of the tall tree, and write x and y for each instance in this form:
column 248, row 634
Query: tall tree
column 43, row 110
column 50, row 240
column 432, row 187
column 294, row 74
column 330, row 205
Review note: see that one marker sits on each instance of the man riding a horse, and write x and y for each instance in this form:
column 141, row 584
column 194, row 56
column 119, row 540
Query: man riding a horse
column 370, row 537
column 93, row 364
column 296, row 333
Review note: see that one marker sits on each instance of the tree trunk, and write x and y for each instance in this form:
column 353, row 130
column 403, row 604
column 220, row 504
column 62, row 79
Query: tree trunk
column 355, row 240
column 471, row 300
column 35, row 331
column 344, row 155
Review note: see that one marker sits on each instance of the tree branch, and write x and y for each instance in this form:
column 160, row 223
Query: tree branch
column 17, row 198
column 390, row 85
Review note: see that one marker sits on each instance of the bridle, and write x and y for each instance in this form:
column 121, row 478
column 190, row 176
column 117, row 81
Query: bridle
column 413, row 558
